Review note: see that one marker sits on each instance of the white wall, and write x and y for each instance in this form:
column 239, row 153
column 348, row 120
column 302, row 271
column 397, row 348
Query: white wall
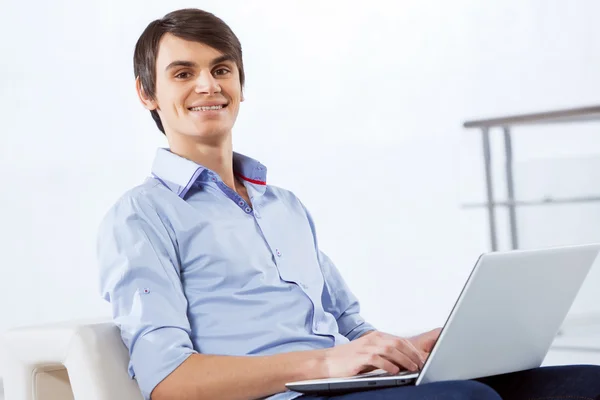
column 355, row 106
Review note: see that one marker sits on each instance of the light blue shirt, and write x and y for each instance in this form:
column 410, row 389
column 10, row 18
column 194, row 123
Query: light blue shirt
column 189, row 267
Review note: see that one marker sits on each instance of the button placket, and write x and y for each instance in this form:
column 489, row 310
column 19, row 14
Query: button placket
column 255, row 207
column 211, row 176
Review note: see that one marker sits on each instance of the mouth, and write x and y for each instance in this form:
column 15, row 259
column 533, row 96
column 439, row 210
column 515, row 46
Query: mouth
column 208, row 108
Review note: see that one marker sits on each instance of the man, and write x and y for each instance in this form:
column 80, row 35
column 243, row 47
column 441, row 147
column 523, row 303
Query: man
column 215, row 278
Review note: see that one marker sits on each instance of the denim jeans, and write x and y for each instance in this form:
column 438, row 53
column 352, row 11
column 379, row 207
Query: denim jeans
column 573, row 382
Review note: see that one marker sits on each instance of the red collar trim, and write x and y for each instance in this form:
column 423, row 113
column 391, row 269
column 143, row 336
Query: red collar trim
column 256, row 182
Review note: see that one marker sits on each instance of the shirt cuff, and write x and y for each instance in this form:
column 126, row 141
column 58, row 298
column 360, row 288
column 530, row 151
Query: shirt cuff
column 156, row 355
column 353, row 326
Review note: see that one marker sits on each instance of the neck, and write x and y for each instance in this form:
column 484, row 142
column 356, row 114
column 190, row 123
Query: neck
column 218, row 156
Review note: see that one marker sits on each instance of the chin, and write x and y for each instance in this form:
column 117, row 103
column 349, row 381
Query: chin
column 208, row 132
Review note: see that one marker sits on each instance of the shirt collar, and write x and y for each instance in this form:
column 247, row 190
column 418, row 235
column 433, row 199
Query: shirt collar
column 180, row 174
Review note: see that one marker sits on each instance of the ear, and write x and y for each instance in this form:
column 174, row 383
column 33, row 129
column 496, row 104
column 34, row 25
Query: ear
column 146, row 101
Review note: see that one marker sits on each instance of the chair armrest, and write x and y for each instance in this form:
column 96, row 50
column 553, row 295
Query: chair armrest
column 91, row 350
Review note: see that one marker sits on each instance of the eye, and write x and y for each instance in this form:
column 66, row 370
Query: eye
column 222, row 71
column 182, row 75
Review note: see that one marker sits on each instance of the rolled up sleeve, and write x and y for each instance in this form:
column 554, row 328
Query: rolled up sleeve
column 339, row 300
column 140, row 277
column 337, row 297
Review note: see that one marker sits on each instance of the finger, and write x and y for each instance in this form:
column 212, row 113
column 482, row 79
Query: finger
column 390, row 352
column 408, row 349
column 380, row 362
column 429, row 346
column 402, row 360
column 384, row 343
column 432, row 338
column 366, row 369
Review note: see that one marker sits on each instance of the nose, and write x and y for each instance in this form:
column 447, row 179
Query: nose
column 206, row 83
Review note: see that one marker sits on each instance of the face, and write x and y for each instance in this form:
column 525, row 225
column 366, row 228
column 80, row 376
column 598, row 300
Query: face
column 198, row 91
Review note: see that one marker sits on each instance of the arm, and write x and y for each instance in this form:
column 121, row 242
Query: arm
column 339, row 300
column 337, row 297
column 139, row 276
column 239, row 378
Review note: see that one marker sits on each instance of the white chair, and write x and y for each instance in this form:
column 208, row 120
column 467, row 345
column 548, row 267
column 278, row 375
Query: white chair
column 81, row 360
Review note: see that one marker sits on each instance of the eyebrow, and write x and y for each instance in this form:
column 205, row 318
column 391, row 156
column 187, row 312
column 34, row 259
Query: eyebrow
column 191, row 64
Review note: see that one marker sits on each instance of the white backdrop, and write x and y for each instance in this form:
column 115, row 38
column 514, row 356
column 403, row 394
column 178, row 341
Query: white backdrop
column 355, row 106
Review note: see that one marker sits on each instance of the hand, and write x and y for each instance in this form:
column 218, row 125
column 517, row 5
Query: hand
column 425, row 341
column 372, row 351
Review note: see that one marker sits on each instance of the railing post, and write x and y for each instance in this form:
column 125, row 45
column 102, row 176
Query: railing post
column 510, row 189
column 487, row 159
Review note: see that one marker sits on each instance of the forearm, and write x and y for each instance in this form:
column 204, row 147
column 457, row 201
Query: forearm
column 238, row 378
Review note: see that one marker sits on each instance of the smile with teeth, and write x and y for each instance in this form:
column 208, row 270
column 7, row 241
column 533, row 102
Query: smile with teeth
column 209, row 108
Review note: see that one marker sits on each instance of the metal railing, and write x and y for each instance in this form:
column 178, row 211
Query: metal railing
column 573, row 115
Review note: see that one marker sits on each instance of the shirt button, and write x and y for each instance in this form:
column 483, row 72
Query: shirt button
column 278, row 252
column 248, row 209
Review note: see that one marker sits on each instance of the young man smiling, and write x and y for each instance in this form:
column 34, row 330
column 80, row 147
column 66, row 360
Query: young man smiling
column 215, row 278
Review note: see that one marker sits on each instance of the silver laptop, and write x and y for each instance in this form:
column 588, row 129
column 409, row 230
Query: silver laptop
column 504, row 320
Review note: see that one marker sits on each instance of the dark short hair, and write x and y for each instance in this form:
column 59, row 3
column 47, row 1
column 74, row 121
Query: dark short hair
column 189, row 24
